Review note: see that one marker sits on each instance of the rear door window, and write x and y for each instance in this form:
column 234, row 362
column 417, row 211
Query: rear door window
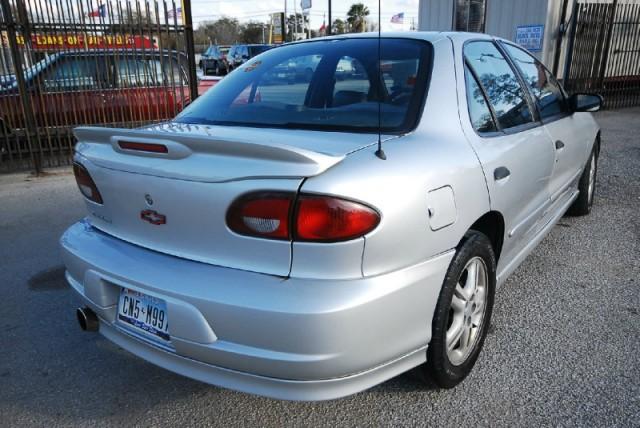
column 500, row 83
column 542, row 85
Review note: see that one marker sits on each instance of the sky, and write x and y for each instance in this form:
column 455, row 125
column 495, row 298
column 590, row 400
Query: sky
column 259, row 10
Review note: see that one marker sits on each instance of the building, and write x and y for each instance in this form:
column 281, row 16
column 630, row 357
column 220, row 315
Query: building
column 592, row 45
column 533, row 23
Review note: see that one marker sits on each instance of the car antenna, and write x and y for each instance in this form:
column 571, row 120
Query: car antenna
column 380, row 153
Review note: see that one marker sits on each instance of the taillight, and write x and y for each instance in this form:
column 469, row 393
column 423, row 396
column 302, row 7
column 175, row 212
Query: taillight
column 324, row 218
column 264, row 215
column 85, row 183
column 312, row 218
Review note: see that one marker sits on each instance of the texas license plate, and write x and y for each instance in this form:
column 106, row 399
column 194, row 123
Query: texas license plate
column 145, row 313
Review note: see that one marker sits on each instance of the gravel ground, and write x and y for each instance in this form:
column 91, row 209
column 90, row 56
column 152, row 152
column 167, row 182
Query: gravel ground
column 563, row 348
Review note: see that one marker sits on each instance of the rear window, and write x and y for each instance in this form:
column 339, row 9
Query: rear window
column 323, row 85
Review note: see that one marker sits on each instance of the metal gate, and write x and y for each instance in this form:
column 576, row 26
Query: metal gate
column 65, row 63
column 604, row 51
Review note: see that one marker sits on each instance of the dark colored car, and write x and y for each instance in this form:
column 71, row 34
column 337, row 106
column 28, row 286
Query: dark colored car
column 239, row 54
column 213, row 61
column 99, row 87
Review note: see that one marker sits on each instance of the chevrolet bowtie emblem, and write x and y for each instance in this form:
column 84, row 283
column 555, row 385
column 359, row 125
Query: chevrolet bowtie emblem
column 153, row 217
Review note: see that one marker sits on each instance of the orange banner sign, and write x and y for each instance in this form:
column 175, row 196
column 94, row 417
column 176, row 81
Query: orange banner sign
column 49, row 42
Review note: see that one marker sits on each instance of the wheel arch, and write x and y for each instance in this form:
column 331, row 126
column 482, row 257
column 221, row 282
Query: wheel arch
column 491, row 224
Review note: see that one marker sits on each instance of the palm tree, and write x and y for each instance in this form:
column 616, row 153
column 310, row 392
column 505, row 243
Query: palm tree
column 356, row 17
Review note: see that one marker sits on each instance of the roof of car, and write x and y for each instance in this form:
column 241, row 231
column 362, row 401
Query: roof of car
column 430, row 36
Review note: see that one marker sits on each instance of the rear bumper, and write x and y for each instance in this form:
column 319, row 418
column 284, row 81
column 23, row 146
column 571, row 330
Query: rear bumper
column 299, row 339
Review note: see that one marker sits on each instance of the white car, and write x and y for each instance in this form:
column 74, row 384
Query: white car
column 309, row 241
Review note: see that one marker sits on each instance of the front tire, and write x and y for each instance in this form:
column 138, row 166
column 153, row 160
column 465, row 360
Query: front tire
column 586, row 186
column 463, row 312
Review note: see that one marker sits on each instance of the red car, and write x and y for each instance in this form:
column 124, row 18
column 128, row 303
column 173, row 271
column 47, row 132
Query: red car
column 100, row 87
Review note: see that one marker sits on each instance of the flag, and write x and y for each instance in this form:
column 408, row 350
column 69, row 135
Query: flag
column 322, row 28
column 177, row 12
column 398, row 18
column 100, row 12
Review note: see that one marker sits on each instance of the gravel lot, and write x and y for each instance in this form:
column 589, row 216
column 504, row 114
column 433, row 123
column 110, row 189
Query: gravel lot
column 563, row 349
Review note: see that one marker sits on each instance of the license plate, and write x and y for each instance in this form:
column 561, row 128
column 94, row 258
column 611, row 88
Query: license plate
column 145, row 313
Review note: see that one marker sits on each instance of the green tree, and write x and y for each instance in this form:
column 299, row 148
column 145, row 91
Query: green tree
column 338, row 26
column 252, row 32
column 356, row 17
column 224, row 31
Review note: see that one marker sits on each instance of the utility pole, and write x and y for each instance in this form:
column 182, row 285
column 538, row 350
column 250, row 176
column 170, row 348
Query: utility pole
column 286, row 25
column 328, row 27
column 191, row 59
column 295, row 20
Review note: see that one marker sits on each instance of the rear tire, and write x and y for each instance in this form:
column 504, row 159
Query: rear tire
column 587, row 186
column 463, row 312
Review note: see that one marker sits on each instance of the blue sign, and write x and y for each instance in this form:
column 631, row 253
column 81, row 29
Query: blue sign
column 530, row 37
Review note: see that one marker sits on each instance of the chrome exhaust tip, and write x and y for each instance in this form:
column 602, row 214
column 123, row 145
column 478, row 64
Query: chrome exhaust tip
column 87, row 319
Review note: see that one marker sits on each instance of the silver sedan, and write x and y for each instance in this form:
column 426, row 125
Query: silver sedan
column 308, row 235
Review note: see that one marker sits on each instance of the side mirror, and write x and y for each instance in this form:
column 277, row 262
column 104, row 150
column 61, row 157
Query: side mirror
column 585, row 102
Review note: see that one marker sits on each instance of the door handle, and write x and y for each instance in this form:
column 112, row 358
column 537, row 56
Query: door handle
column 501, row 173
column 559, row 145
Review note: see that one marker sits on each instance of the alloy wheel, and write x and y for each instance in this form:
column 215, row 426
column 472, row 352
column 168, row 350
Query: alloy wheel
column 467, row 312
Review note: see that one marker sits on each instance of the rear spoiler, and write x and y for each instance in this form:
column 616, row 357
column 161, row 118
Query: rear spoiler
column 293, row 161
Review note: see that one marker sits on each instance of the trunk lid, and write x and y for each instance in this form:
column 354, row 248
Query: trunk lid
column 176, row 202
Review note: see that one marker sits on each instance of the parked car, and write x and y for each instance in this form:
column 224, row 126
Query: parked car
column 213, row 61
column 99, row 86
column 239, row 54
column 312, row 240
